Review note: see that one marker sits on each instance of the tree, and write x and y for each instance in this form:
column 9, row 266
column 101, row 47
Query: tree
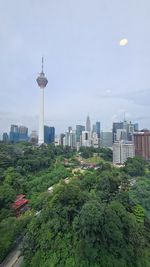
column 135, row 166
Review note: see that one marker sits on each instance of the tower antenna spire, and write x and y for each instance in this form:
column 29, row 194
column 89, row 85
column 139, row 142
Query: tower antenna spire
column 42, row 63
column 124, row 116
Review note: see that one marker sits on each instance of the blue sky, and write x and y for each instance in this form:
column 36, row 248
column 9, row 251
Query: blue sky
column 87, row 70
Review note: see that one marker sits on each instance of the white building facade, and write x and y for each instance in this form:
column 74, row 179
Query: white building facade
column 122, row 151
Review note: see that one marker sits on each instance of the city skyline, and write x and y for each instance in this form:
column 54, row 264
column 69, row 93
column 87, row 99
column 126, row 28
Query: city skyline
column 88, row 71
column 72, row 126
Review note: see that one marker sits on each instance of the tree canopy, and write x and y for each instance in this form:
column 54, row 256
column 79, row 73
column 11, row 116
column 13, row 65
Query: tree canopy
column 91, row 218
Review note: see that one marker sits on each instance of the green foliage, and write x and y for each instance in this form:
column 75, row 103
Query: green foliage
column 140, row 193
column 138, row 211
column 84, row 224
column 10, row 228
column 7, row 195
column 29, row 170
column 104, row 153
column 86, row 152
column 99, row 218
column 135, row 166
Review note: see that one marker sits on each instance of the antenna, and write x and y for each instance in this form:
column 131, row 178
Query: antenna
column 42, row 63
column 124, row 116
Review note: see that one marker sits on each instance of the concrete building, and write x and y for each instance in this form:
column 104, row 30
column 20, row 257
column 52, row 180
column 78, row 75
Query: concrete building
column 5, row 137
column 18, row 133
column 98, row 129
column 95, row 140
column 116, row 126
column 126, row 129
column 121, row 151
column 70, row 138
column 57, row 141
column 142, row 144
column 106, row 139
column 23, row 133
column 94, row 128
column 14, row 133
column 49, row 135
column 62, row 135
column 33, row 137
column 79, row 130
column 86, row 139
column 121, row 134
column 42, row 82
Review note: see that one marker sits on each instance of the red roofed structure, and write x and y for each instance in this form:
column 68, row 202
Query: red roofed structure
column 20, row 197
column 20, row 204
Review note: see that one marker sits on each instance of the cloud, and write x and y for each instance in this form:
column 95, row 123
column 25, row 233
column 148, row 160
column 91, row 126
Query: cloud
column 140, row 97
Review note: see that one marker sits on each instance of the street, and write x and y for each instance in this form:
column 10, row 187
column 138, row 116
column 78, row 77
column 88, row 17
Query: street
column 13, row 259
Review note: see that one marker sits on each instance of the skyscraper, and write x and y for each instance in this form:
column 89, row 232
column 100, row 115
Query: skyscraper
column 86, row 139
column 49, row 135
column 88, row 124
column 94, row 128
column 116, row 126
column 106, row 139
column 14, row 133
column 126, row 129
column 14, row 128
column 79, row 130
column 62, row 135
column 42, row 82
column 142, row 144
column 23, row 133
column 70, row 138
column 98, row 128
column 5, row 137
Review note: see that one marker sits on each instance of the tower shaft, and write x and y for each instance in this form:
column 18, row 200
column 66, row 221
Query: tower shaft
column 41, row 117
column 42, row 82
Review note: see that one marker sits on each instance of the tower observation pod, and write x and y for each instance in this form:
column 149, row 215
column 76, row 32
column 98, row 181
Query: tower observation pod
column 42, row 82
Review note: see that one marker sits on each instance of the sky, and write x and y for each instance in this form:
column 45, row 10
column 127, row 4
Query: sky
column 87, row 71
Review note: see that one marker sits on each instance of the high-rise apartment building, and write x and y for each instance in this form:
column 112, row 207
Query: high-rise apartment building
column 14, row 128
column 18, row 133
column 122, row 151
column 23, row 133
column 5, row 137
column 70, row 139
column 95, row 140
column 69, row 129
column 142, row 144
column 86, row 139
column 62, row 135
